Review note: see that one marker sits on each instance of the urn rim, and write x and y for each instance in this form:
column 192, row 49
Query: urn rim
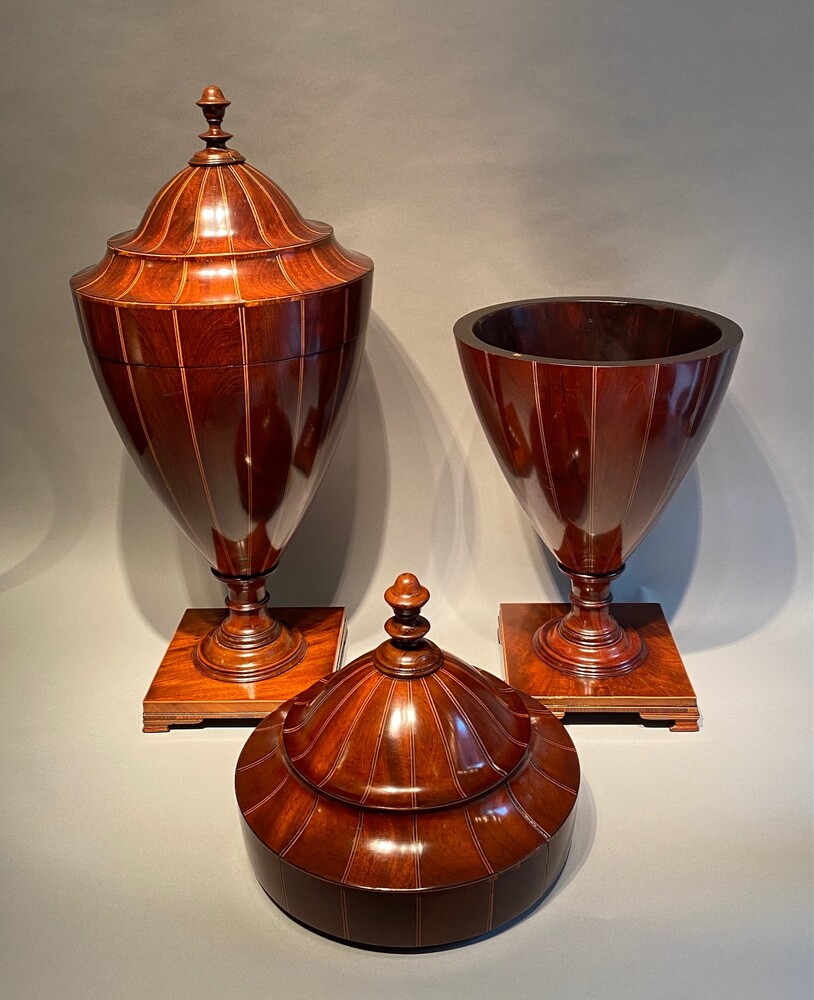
column 729, row 333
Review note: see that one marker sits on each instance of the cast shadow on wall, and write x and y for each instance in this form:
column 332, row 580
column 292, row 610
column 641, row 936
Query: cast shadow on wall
column 744, row 574
column 328, row 561
column 51, row 512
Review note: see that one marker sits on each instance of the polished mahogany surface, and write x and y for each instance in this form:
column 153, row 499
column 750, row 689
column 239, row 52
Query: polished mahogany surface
column 410, row 799
column 226, row 333
column 595, row 410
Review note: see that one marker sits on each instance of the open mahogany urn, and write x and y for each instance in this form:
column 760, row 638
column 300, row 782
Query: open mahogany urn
column 595, row 410
column 226, row 333
column 408, row 800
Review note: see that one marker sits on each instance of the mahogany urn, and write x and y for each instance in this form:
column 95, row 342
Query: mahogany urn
column 595, row 410
column 225, row 332
column 408, row 800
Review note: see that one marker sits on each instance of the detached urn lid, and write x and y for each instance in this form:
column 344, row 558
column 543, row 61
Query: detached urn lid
column 409, row 799
column 219, row 232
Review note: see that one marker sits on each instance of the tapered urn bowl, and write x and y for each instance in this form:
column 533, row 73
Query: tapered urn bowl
column 226, row 332
column 595, row 409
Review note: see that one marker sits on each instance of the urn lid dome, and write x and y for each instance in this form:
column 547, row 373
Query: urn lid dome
column 220, row 231
column 407, row 726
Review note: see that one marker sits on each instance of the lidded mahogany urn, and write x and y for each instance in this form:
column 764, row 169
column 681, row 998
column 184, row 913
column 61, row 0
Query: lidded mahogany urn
column 226, row 333
column 410, row 799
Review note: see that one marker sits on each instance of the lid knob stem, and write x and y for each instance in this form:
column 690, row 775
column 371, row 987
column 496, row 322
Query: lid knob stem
column 408, row 653
column 214, row 105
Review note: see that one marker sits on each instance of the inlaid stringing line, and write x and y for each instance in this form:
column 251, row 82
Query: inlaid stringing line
column 168, row 221
column 228, row 221
column 591, row 474
column 490, row 915
column 529, row 819
column 328, row 719
column 486, row 709
column 417, row 862
column 143, row 227
column 566, row 539
column 344, row 907
column 301, row 830
column 347, row 673
column 282, row 883
column 550, row 778
column 476, row 842
column 636, row 478
column 447, row 752
column 295, row 436
column 346, row 739
column 260, row 179
column 324, row 267
column 353, row 847
column 268, row 797
column 195, row 447
column 553, row 743
column 660, row 504
column 468, row 721
column 411, row 736
column 378, row 746
column 184, row 273
column 143, row 423
column 285, row 274
column 337, row 250
column 244, row 350
column 98, row 277
column 133, row 282
column 252, row 207
column 260, row 760
column 196, row 227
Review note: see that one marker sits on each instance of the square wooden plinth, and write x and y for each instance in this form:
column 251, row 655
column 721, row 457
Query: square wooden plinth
column 658, row 689
column 181, row 695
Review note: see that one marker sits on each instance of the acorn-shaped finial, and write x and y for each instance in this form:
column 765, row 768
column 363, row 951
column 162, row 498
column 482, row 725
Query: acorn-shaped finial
column 214, row 105
column 408, row 653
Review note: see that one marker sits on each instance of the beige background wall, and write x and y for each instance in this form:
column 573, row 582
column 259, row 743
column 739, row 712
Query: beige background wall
column 478, row 152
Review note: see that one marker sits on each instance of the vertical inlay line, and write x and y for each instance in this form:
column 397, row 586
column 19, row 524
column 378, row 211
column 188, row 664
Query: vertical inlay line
column 447, row 752
column 591, row 474
column 346, row 739
column 132, row 283
column 476, row 842
column 244, row 350
column 628, row 508
column 547, row 462
column 696, row 408
column 81, row 288
column 473, row 730
column 184, row 273
column 324, row 267
column 196, row 448
column 302, row 828
column 285, row 273
column 252, row 207
column 261, row 181
column 354, row 845
column 146, row 434
column 171, row 211
column 411, row 738
column 295, row 435
column 143, row 227
column 378, row 746
column 197, row 219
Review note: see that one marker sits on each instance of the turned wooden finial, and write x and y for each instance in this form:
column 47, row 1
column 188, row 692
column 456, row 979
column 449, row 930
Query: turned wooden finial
column 214, row 105
column 407, row 653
